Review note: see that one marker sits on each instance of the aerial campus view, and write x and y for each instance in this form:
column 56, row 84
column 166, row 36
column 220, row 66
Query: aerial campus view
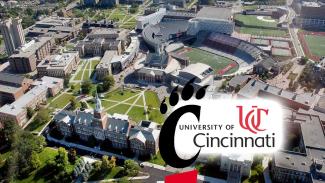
column 82, row 83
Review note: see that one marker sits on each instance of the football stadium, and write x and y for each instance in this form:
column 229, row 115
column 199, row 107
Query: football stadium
column 212, row 45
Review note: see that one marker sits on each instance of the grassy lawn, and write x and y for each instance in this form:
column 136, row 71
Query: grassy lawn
column 215, row 61
column 152, row 99
column 139, row 101
column 157, row 159
column 253, row 173
column 249, row 24
column 61, row 101
column 120, row 109
column 316, row 44
column 251, row 20
column 137, row 114
column 76, row 87
column 36, row 127
column 131, row 100
column 111, row 175
column 250, row 7
column 156, row 116
column 86, row 75
column 79, row 74
column 94, row 64
column 263, row 32
column 118, row 95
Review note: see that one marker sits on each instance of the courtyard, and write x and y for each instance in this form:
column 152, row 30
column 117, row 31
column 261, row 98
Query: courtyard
column 137, row 104
column 85, row 70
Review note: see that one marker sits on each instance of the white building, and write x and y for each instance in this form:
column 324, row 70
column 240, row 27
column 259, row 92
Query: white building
column 236, row 166
column 213, row 20
column 152, row 19
column 59, row 65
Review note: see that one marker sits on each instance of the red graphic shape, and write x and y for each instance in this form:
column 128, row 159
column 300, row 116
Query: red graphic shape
column 186, row 177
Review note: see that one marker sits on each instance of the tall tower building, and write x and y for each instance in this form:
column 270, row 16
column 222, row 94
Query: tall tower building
column 100, row 116
column 13, row 34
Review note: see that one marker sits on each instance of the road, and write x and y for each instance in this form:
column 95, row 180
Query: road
column 293, row 30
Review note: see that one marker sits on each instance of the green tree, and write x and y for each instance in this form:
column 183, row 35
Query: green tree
column 27, row 147
column 30, row 112
column 108, row 82
column 303, row 60
column 105, row 166
column 66, row 81
column 86, row 87
column 83, row 105
column 43, row 116
column 100, row 88
column 131, row 168
column 61, row 160
column 10, row 132
column 72, row 155
column 73, row 103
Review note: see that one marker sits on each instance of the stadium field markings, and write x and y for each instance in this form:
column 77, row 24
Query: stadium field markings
column 316, row 44
column 254, row 25
column 217, row 62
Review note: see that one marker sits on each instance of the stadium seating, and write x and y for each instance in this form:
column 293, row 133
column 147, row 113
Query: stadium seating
column 241, row 49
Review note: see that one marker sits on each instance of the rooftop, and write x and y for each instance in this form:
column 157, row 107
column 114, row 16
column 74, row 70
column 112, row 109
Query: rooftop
column 215, row 13
column 31, row 47
column 11, row 78
column 238, row 80
column 48, row 81
column 20, row 104
column 58, row 61
column 197, row 69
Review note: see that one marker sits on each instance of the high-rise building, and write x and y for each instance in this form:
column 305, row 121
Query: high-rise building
column 13, row 34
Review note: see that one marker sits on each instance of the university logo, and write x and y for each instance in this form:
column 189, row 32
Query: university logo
column 252, row 119
column 198, row 125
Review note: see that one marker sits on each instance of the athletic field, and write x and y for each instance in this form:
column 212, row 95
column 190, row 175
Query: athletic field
column 221, row 65
column 251, row 24
column 316, row 44
column 313, row 44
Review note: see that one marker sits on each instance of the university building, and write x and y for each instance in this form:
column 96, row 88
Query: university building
column 25, row 59
column 115, row 129
column 12, row 87
column 59, row 65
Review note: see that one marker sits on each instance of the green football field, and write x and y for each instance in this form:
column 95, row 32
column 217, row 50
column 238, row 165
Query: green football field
column 249, row 24
column 316, row 44
column 215, row 61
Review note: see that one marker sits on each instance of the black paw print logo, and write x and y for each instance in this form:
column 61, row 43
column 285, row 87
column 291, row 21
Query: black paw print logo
column 186, row 94
column 167, row 133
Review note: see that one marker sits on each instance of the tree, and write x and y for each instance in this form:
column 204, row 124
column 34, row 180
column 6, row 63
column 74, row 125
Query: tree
column 66, row 81
column 42, row 116
column 86, row 87
column 10, row 132
column 108, row 82
column 73, row 103
column 30, row 112
column 105, row 166
column 131, row 168
column 27, row 147
column 72, row 155
column 83, row 105
column 303, row 60
column 61, row 160
column 100, row 88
